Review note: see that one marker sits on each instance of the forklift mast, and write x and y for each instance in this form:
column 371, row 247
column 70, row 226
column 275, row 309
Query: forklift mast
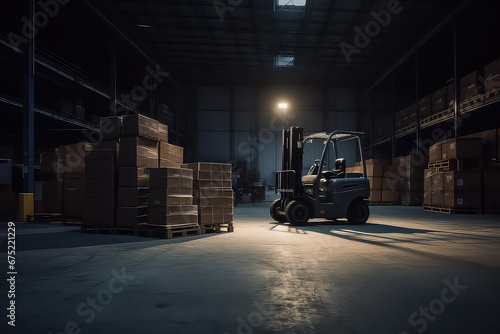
column 292, row 154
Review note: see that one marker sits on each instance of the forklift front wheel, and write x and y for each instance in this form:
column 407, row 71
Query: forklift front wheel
column 358, row 212
column 297, row 212
column 275, row 207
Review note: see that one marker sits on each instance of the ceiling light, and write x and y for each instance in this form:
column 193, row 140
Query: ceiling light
column 143, row 26
column 283, row 105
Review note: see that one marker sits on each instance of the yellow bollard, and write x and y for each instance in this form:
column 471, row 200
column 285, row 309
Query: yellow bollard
column 26, row 206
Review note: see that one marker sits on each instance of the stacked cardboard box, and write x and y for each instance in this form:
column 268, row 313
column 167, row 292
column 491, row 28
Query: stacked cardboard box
column 51, row 170
column 458, row 185
column 462, row 190
column 468, row 86
column 384, row 181
column 410, row 169
column 213, row 193
column 170, row 155
column 100, row 185
column 491, row 190
column 439, row 102
column 492, row 76
column 170, row 198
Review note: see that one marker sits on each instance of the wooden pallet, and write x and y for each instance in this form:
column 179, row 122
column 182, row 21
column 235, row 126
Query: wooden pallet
column 447, row 210
column 52, row 218
column 168, row 231
column 492, row 95
column 406, row 130
column 456, row 165
column 216, row 228
column 471, row 103
column 438, row 118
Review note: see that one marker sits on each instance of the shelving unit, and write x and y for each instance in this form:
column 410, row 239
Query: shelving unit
column 423, row 73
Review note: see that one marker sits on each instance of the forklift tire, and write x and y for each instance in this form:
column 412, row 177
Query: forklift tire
column 275, row 206
column 358, row 212
column 297, row 212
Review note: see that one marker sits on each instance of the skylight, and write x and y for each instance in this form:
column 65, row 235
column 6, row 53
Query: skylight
column 296, row 3
column 284, row 60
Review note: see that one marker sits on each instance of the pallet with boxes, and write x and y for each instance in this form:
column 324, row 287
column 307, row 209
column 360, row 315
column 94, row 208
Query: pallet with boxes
column 213, row 194
column 461, row 177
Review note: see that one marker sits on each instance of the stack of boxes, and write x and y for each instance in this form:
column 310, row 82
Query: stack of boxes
column 384, row 181
column 73, row 193
column 410, row 170
column 139, row 145
column 213, row 194
column 455, row 184
column 170, row 198
column 100, row 184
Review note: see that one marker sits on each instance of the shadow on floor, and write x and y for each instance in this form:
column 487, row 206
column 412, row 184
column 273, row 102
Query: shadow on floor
column 53, row 236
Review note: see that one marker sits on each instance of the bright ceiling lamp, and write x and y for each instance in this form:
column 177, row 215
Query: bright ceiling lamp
column 283, row 105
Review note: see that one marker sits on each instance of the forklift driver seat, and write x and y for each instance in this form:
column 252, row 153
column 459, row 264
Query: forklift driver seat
column 338, row 172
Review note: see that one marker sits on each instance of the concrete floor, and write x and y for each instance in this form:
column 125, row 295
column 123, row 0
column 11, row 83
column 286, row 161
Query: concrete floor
column 442, row 271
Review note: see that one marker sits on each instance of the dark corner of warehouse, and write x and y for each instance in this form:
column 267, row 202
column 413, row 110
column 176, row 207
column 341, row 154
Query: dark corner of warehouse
column 250, row 166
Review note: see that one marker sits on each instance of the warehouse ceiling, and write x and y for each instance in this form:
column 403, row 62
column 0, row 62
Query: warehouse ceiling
column 245, row 40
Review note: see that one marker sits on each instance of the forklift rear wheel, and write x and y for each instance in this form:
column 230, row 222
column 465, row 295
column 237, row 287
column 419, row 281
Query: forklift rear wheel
column 358, row 212
column 297, row 212
column 275, row 207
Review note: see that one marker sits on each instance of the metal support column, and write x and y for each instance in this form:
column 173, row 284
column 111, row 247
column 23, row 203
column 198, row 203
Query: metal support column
column 29, row 105
column 393, row 117
column 456, row 75
column 417, row 97
column 231, row 123
column 112, row 77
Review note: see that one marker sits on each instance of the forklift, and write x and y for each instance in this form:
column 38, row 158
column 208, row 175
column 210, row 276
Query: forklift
column 321, row 193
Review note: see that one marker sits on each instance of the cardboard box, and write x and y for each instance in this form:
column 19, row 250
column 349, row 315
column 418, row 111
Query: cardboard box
column 99, row 212
column 171, row 152
column 163, row 132
column 468, row 86
column 208, row 167
column 100, row 169
column 451, row 96
column 439, row 101
column 435, row 153
column 438, row 182
column 427, row 198
column 492, row 200
column 215, row 202
column 131, row 216
column 428, row 183
column 171, row 177
column 161, row 197
column 411, row 197
column 462, row 199
column 138, row 152
column 437, row 198
column 375, row 196
column 216, row 219
column 375, row 182
column 161, row 215
column 202, row 184
column 71, row 180
column 73, row 200
column 491, row 180
column 213, row 193
column 106, row 145
column 133, row 197
column 374, row 170
column 100, row 188
column 391, row 183
column 169, row 164
column 425, row 106
column 412, row 185
column 133, row 177
column 141, row 126
column 52, row 196
column 74, row 156
column 111, row 127
column 390, row 196
column 492, row 75
column 459, row 181
column 463, row 148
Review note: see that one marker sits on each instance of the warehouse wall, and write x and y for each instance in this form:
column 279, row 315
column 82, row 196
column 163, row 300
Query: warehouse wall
column 243, row 123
